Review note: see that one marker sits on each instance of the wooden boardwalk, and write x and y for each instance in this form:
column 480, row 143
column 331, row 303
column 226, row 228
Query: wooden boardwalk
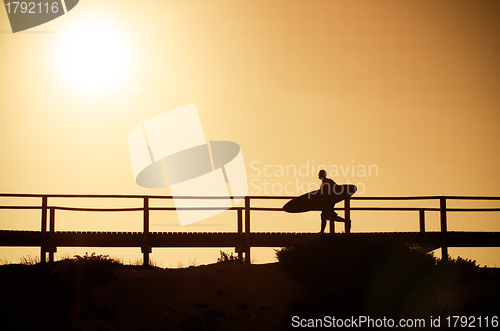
column 428, row 240
column 243, row 239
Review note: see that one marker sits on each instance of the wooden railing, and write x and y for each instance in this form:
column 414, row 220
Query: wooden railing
column 47, row 246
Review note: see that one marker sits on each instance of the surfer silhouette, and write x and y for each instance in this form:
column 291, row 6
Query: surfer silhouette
column 328, row 187
column 324, row 200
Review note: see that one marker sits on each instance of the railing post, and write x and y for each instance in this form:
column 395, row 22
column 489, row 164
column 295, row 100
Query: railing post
column 247, row 230
column 444, row 230
column 347, row 215
column 51, row 245
column 421, row 214
column 146, row 248
column 43, row 232
column 239, row 249
column 240, row 221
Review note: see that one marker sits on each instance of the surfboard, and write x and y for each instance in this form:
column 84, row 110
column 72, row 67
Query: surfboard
column 315, row 200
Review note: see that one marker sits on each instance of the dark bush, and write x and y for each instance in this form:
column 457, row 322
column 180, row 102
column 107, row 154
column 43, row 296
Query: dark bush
column 45, row 292
column 346, row 277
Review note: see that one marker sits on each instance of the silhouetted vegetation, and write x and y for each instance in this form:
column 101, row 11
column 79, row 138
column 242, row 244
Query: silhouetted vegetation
column 343, row 277
column 36, row 295
column 224, row 257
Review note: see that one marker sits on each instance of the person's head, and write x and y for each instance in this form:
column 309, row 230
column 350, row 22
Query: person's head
column 322, row 174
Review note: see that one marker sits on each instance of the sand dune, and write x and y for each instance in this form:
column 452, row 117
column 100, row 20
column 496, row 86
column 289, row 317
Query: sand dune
column 221, row 296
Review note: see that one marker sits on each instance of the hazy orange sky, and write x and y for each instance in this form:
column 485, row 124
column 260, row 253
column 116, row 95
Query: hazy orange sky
column 408, row 87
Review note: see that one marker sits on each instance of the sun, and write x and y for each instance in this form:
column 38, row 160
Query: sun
column 93, row 56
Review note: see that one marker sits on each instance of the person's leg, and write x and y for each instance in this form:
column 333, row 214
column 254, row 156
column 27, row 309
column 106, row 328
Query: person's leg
column 323, row 222
column 337, row 218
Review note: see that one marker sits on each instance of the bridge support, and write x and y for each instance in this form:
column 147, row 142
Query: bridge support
column 444, row 230
column 421, row 214
column 247, row 230
column 146, row 248
column 43, row 232
column 239, row 249
column 51, row 247
column 347, row 214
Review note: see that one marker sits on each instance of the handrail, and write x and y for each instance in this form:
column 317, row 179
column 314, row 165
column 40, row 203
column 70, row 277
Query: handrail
column 119, row 209
column 251, row 208
column 263, row 197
